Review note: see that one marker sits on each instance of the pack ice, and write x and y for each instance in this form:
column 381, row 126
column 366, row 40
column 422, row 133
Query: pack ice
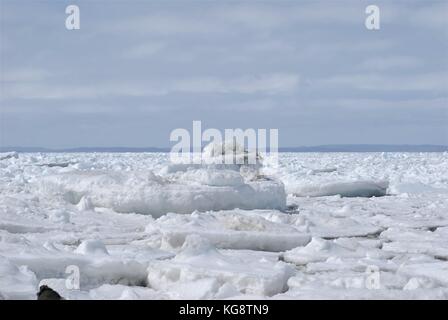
column 312, row 226
column 180, row 188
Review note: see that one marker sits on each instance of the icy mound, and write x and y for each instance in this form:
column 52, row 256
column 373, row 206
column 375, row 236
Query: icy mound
column 209, row 177
column 417, row 241
column 182, row 191
column 199, row 261
column 91, row 247
column 229, row 152
column 9, row 155
column 95, row 269
column 325, row 225
column 321, row 250
column 16, row 282
column 236, row 229
column 345, row 189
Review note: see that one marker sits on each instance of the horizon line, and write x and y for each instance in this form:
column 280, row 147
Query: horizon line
column 313, row 148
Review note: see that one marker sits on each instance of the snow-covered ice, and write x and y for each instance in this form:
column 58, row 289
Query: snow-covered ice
column 315, row 225
column 345, row 189
column 198, row 260
column 234, row 229
column 182, row 191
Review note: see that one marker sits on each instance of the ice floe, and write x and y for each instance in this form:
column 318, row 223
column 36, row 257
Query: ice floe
column 319, row 250
column 345, row 189
column 200, row 261
column 147, row 193
column 234, row 229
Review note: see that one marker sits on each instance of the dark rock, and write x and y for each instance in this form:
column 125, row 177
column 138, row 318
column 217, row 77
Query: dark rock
column 46, row 293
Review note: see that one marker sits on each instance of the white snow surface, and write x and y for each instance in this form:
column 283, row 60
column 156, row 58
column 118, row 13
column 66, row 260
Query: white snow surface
column 182, row 190
column 313, row 226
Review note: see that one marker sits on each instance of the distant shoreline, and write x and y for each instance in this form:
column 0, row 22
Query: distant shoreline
column 308, row 149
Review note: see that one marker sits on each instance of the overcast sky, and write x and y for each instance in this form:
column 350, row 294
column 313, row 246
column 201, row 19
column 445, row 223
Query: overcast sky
column 136, row 70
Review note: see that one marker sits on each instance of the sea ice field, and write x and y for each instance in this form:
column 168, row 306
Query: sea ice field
column 310, row 226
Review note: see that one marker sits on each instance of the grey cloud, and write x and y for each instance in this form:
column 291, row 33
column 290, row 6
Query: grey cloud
column 136, row 70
